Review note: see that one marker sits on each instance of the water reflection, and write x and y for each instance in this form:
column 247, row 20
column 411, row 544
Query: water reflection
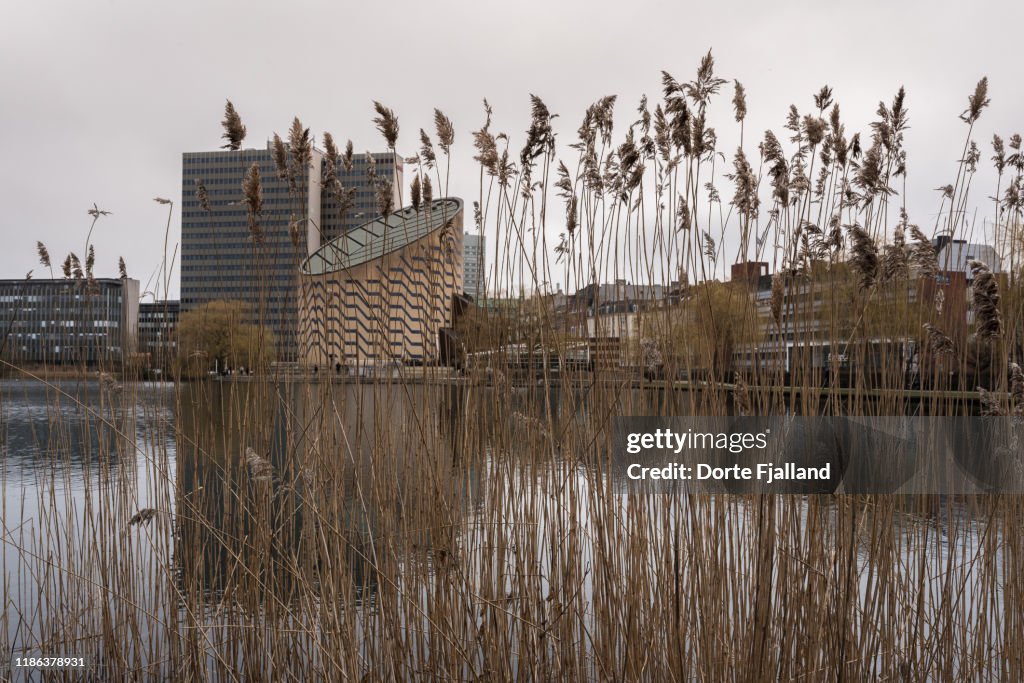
column 339, row 519
column 280, row 487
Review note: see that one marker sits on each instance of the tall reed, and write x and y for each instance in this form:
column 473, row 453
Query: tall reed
column 430, row 524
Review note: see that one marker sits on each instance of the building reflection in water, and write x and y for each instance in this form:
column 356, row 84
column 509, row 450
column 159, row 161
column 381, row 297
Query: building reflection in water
column 283, row 488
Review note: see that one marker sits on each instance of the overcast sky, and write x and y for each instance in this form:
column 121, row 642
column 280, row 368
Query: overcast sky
column 101, row 98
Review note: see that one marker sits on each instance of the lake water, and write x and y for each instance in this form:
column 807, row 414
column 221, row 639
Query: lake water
column 159, row 529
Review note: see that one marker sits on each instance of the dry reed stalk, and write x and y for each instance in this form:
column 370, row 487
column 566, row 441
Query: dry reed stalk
column 475, row 529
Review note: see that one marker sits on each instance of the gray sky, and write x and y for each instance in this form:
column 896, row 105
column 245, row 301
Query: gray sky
column 101, row 98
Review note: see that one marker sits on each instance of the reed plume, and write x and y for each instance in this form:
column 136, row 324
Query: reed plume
column 486, row 146
column 330, row 150
column 260, row 469
column 739, row 102
column 445, row 131
column 280, row 154
column 234, row 131
column 329, row 174
column 976, row 102
column 385, row 196
column 863, row 255
column 387, row 123
column 923, row 257
column 815, row 129
column 44, row 255
column 895, row 261
column 347, row 157
column 427, row 150
column 143, row 517
column 568, row 194
column 428, row 192
column 202, row 196
column 76, row 266
column 985, row 299
column 998, row 154
column 414, row 192
column 122, row 269
column 252, row 192
column 66, row 267
column 710, row 248
column 540, row 137
column 746, row 198
column 683, row 218
column 939, row 343
column 300, row 147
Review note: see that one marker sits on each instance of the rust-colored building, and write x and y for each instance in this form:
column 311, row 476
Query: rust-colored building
column 383, row 292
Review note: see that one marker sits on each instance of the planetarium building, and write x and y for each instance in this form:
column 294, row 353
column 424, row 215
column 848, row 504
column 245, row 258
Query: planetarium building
column 383, row 292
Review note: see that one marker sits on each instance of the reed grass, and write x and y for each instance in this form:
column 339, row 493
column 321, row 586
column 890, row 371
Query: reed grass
column 418, row 527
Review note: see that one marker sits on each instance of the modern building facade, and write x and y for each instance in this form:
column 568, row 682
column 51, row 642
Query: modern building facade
column 384, row 292
column 158, row 321
column 221, row 260
column 955, row 255
column 474, row 266
column 68, row 321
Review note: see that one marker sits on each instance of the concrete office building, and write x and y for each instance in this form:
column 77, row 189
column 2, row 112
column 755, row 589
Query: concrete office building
column 219, row 258
column 385, row 291
column 64, row 321
column 474, row 266
column 158, row 321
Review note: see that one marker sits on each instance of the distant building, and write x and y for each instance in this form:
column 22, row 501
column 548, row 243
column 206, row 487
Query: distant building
column 955, row 255
column 609, row 310
column 385, row 291
column 594, row 296
column 158, row 322
column 219, row 259
column 474, row 266
column 608, row 317
column 65, row 321
column 810, row 334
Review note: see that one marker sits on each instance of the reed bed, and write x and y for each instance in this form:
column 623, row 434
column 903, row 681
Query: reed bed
column 399, row 528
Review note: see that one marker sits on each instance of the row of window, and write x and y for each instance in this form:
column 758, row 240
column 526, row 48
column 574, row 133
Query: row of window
column 225, row 164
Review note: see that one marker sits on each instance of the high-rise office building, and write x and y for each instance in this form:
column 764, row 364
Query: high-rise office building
column 221, row 260
column 474, row 265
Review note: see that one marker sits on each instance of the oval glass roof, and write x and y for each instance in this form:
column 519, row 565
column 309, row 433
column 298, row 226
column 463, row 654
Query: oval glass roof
column 381, row 236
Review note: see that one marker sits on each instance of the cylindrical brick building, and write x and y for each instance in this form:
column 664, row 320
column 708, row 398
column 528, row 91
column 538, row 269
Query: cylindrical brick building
column 383, row 292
